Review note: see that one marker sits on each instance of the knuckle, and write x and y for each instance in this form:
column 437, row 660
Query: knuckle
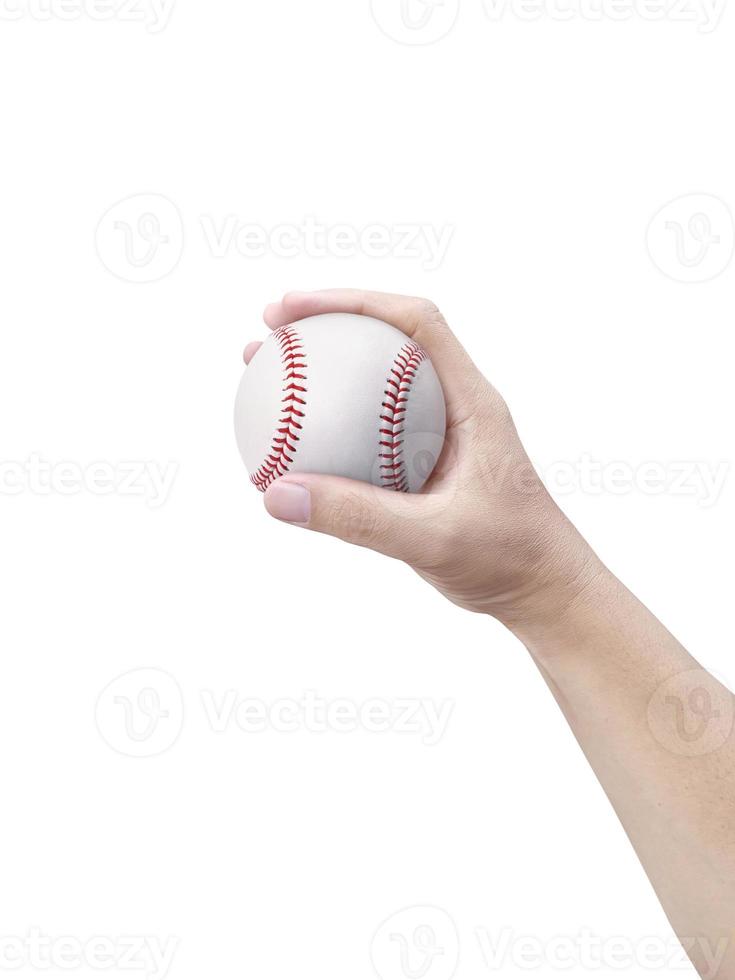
column 492, row 405
column 480, row 393
column 426, row 311
column 426, row 306
column 501, row 412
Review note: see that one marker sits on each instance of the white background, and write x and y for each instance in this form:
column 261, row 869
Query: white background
column 547, row 146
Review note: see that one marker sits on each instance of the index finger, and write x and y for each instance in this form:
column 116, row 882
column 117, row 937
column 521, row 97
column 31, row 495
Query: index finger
column 417, row 318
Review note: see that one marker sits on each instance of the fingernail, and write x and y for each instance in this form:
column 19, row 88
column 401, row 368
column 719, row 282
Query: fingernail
column 288, row 502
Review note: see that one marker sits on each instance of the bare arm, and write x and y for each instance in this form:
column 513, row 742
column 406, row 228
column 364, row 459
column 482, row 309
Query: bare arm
column 658, row 731
column 656, row 728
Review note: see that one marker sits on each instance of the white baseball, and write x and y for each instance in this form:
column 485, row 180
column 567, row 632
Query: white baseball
column 345, row 395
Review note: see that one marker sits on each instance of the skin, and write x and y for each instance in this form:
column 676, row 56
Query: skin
column 656, row 728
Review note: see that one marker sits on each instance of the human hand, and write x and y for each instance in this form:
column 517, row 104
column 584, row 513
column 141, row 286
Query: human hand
column 484, row 530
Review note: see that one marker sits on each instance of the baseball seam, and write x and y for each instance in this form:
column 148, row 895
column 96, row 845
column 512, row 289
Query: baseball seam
column 398, row 387
column 284, row 440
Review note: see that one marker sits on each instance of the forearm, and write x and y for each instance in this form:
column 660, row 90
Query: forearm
column 658, row 732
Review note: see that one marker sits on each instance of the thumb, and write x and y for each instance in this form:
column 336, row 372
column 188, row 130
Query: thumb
column 387, row 521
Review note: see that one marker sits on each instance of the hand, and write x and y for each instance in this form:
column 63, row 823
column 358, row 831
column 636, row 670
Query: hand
column 484, row 531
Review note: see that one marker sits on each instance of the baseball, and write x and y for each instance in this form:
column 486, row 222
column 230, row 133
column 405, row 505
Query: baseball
column 345, row 395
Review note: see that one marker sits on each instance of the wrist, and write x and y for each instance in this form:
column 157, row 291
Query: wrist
column 567, row 590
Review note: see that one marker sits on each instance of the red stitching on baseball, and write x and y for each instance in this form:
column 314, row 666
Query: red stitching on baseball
column 398, row 386
column 277, row 462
